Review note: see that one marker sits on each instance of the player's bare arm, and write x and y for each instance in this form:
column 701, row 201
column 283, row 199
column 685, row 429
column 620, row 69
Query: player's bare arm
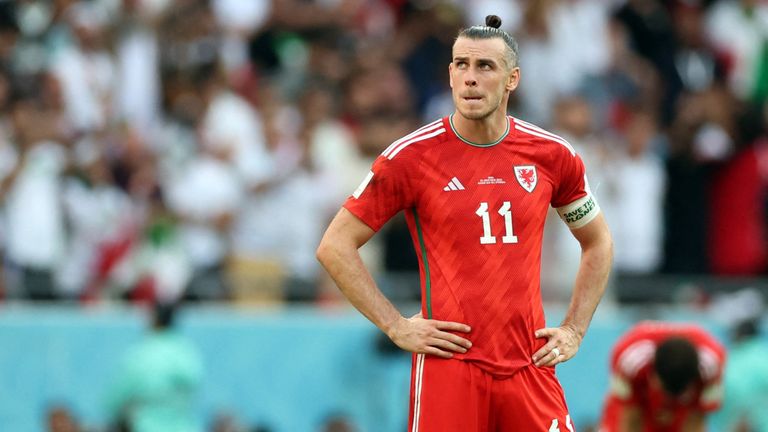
column 596, row 258
column 338, row 253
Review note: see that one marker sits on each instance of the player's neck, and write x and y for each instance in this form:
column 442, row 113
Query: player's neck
column 482, row 131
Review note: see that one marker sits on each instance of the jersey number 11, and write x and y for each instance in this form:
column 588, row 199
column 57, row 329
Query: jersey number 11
column 506, row 211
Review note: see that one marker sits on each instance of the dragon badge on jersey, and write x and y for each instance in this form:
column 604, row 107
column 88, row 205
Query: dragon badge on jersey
column 526, row 176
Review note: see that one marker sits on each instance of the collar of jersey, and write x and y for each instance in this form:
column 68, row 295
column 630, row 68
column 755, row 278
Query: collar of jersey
column 458, row 135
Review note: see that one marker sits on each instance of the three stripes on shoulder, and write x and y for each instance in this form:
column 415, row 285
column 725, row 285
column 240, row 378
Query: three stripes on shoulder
column 436, row 128
column 431, row 130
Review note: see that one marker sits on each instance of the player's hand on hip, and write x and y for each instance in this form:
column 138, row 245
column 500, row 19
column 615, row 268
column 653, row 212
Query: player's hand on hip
column 562, row 344
column 428, row 336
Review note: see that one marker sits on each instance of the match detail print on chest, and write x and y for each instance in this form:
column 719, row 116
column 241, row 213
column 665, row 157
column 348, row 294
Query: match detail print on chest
column 488, row 201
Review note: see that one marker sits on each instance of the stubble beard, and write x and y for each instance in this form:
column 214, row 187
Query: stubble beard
column 482, row 115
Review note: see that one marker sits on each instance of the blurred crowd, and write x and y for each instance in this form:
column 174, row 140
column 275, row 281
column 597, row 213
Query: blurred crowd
column 195, row 150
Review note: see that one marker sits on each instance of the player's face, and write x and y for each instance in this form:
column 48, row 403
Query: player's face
column 480, row 80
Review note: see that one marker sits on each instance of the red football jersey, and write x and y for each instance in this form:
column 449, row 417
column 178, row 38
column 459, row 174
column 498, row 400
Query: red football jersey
column 632, row 370
column 476, row 216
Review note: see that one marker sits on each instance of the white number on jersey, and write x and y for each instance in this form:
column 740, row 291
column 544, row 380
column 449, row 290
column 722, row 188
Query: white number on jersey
column 554, row 426
column 506, row 212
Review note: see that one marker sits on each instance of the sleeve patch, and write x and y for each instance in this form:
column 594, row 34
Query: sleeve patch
column 580, row 212
column 363, row 185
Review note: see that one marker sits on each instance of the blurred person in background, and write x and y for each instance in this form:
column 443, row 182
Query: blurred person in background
column 574, row 121
column 745, row 404
column 551, row 32
column 739, row 186
column 738, row 30
column 701, row 136
column 155, row 387
column 476, row 187
column 137, row 65
column 664, row 378
column 99, row 216
column 59, row 418
column 338, row 423
column 34, row 214
column 300, row 193
column 224, row 159
column 650, row 29
column 86, row 68
column 157, row 268
column 636, row 181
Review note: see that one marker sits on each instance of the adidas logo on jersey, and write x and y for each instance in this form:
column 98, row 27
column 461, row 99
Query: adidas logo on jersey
column 453, row 185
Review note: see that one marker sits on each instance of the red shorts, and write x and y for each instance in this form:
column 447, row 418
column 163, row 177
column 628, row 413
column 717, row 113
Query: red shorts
column 454, row 395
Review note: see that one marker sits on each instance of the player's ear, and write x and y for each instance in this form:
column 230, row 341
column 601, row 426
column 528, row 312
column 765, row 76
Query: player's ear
column 450, row 74
column 513, row 79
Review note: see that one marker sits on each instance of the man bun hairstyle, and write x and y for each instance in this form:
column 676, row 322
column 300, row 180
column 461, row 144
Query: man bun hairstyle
column 677, row 365
column 493, row 21
column 492, row 29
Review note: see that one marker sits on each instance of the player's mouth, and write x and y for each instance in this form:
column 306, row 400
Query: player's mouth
column 472, row 98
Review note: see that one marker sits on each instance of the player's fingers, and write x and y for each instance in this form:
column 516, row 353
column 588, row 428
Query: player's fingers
column 450, row 325
column 437, row 352
column 458, row 340
column 551, row 359
column 546, row 332
column 447, row 345
column 546, row 353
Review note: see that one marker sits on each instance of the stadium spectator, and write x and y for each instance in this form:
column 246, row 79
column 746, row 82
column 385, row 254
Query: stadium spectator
column 739, row 186
column 86, row 68
column 99, row 215
column 636, row 182
column 300, row 193
column 34, row 216
column 338, row 423
column 746, row 375
column 651, row 33
column 61, row 419
column 156, row 384
column 745, row 406
column 574, row 121
column 137, row 65
column 738, row 31
column 701, row 136
column 549, row 33
column 664, row 378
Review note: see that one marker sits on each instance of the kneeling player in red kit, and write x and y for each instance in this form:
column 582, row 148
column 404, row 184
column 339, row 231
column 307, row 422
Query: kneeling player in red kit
column 664, row 378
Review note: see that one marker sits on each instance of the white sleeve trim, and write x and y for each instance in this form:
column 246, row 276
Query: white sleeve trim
column 712, row 394
column 620, row 387
column 363, row 185
column 580, row 212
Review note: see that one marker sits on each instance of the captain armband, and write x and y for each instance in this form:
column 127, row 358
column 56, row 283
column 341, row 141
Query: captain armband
column 580, row 212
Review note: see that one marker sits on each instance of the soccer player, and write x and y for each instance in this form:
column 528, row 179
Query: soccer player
column 665, row 378
column 475, row 187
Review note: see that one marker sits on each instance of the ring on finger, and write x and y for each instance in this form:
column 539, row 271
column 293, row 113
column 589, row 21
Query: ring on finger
column 556, row 351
